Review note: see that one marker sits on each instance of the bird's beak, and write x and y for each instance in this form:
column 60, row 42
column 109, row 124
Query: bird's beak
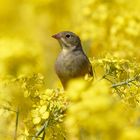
column 56, row 36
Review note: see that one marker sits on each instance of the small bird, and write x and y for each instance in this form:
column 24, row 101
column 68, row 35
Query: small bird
column 72, row 62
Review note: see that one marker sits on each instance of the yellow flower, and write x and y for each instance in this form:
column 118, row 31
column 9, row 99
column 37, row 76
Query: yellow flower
column 36, row 120
column 45, row 115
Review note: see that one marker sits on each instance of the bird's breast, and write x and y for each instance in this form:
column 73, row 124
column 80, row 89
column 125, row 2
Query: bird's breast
column 71, row 64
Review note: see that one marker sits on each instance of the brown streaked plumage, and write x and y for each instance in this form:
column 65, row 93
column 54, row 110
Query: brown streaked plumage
column 72, row 62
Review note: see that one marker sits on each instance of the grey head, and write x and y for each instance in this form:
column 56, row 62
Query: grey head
column 68, row 40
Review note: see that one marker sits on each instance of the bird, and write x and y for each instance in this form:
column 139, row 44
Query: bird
column 72, row 62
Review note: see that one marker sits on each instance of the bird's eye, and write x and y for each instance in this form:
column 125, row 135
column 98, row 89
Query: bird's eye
column 67, row 35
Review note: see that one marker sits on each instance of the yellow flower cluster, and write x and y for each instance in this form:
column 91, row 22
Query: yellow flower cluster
column 104, row 108
column 48, row 105
column 94, row 113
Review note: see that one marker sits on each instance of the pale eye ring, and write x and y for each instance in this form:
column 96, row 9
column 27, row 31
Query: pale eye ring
column 68, row 35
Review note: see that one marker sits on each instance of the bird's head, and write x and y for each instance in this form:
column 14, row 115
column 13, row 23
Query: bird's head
column 68, row 39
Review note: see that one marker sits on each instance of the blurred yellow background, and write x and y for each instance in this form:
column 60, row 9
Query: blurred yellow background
column 110, row 33
column 26, row 26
